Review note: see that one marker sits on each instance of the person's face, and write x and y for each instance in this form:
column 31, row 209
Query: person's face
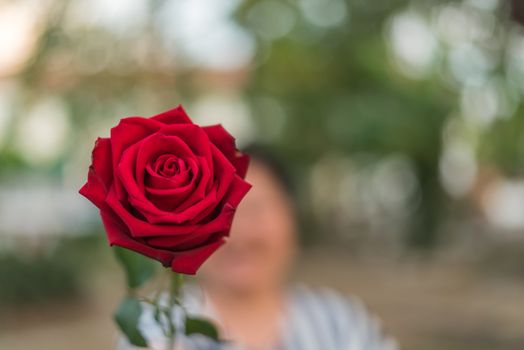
column 261, row 245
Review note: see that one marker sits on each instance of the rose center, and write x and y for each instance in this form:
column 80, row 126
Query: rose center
column 169, row 165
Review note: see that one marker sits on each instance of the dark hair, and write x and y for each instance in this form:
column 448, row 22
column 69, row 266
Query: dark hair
column 268, row 158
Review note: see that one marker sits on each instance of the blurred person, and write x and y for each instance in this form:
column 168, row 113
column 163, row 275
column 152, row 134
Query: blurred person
column 244, row 289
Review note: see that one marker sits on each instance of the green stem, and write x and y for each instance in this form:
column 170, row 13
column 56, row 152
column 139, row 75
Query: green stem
column 175, row 285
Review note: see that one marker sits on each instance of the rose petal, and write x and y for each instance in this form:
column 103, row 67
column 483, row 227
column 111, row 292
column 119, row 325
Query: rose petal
column 189, row 261
column 174, row 116
column 153, row 147
column 165, row 217
column 194, row 137
column 118, row 234
column 197, row 140
column 182, row 242
column 167, row 165
column 169, row 199
column 154, row 180
column 225, row 169
column 227, row 173
column 222, row 139
column 236, row 191
column 100, row 174
column 174, row 242
column 173, row 203
column 131, row 171
column 181, row 261
column 226, row 144
column 202, row 185
column 241, row 163
column 141, row 228
column 157, row 182
column 128, row 132
column 221, row 222
column 131, row 186
column 210, row 200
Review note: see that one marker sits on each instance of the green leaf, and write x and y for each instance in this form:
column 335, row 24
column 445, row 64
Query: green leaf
column 139, row 269
column 127, row 316
column 202, row 326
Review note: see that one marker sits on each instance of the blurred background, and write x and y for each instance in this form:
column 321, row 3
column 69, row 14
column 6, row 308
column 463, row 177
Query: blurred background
column 401, row 121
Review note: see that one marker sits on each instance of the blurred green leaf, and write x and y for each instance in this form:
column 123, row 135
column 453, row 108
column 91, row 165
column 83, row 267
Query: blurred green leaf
column 139, row 269
column 157, row 314
column 127, row 316
column 195, row 325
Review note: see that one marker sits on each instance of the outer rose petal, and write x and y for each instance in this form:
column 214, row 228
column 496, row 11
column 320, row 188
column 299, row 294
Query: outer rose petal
column 174, row 116
column 100, row 173
column 179, row 242
column 222, row 139
column 117, row 234
column 130, row 131
column 236, row 192
column 226, row 174
column 189, row 261
column 222, row 222
column 226, row 143
column 241, row 163
column 224, row 170
column 232, row 198
column 186, row 261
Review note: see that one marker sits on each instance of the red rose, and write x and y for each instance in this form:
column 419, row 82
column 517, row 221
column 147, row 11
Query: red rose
column 167, row 188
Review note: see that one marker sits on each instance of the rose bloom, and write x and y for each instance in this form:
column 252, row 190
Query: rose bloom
column 167, row 188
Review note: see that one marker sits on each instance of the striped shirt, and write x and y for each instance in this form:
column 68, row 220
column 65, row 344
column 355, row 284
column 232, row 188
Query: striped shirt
column 314, row 320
